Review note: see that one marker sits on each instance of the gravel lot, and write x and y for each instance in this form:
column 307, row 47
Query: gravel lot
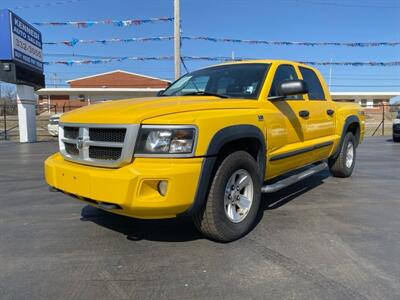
column 324, row 238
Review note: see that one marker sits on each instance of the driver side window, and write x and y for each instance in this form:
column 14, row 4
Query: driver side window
column 284, row 72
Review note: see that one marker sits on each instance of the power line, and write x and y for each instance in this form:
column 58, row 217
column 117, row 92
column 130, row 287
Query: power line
column 47, row 4
column 354, row 85
column 365, row 79
column 375, row 75
column 325, row 3
column 347, row 4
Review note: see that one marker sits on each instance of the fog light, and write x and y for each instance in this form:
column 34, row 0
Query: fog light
column 162, row 187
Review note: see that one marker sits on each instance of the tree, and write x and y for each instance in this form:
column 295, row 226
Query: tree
column 8, row 100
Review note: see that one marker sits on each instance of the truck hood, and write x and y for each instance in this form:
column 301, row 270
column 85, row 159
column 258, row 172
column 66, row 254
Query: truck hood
column 135, row 111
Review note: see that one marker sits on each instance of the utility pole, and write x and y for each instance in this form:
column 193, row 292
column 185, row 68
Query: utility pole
column 177, row 39
column 54, row 80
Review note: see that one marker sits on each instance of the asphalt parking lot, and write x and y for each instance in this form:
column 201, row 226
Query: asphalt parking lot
column 324, row 238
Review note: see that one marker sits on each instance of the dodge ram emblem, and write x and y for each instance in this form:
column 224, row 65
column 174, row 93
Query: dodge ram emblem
column 79, row 143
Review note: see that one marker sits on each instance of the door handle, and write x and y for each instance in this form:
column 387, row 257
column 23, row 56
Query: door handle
column 304, row 113
column 330, row 112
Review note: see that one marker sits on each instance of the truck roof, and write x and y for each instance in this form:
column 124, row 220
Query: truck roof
column 265, row 61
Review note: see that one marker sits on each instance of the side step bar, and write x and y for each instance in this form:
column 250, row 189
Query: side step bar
column 271, row 188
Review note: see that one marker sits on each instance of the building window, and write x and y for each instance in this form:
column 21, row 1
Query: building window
column 363, row 102
column 377, row 103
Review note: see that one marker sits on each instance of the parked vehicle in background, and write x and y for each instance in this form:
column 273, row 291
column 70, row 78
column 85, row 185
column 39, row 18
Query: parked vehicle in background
column 396, row 128
column 52, row 127
column 208, row 146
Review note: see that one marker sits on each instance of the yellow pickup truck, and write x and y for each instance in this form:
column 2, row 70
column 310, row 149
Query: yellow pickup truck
column 207, row 146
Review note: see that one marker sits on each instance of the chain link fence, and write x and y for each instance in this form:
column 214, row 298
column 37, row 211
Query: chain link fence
column 9, row 121
column 379, row 119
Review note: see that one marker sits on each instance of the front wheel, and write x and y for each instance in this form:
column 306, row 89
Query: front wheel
column 233, row 200
column 343, row 164
column 396, row 139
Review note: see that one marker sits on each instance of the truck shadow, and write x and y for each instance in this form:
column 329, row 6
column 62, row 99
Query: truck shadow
column 182, row 229
column 284, row 196
column 168, row 230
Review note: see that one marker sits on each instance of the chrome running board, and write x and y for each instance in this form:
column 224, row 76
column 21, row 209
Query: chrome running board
column 274, row 187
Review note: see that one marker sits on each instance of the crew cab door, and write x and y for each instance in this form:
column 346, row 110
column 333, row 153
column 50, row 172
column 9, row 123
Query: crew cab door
column 284, row 157
column 319, row 128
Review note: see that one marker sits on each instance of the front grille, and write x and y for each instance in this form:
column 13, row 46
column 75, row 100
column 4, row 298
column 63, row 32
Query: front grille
column 98, row 145
column 105, row 153
column 115, row 135
column 71, row 132
column 71, row 149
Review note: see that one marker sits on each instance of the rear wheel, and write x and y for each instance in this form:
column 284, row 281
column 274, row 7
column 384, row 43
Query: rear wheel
column 343, row 165
column 233, row 200
column 396, row 139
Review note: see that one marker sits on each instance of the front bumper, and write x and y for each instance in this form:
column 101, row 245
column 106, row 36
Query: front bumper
column 133, row 187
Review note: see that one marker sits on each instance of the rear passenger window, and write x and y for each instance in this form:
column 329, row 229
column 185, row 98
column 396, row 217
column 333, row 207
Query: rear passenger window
column 315, row 91
column 284, row 72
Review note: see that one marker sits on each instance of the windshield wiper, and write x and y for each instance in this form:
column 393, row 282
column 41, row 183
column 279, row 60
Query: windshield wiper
column 199, row 93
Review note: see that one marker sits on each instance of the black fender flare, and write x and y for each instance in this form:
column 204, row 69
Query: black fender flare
column 221, row 138
column 349, row 120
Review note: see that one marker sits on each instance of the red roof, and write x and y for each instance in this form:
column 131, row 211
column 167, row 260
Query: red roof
column 118, row 79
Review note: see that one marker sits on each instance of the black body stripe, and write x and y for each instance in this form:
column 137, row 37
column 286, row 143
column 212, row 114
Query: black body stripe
column 300, row 151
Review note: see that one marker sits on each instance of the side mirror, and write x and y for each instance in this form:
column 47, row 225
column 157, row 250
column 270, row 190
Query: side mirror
column 160, row 93
column 290, row 88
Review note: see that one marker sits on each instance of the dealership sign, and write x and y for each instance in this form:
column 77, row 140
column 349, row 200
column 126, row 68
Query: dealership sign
column 20, row 42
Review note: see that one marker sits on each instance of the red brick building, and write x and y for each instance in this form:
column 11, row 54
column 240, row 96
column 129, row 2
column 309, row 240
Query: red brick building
column 112, row 85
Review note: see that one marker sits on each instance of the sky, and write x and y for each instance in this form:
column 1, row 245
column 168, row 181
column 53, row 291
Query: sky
column 279, row 20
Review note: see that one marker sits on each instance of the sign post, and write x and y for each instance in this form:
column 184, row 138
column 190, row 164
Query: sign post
column 21, row 63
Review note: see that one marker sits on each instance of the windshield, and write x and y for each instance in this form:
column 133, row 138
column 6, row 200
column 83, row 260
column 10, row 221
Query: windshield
column 232, row 81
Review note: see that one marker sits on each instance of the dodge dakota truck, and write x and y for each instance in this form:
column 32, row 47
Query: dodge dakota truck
column 208, row 146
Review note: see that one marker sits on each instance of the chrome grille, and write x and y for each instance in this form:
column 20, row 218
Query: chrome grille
column 98, row 145
column 105, row 153
column 71, row 132
column 71, row 149
column 116, row 135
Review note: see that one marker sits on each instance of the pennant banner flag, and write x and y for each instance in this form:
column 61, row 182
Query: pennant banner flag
column 73, row 42
column 286, row 43
column 217, row 58
column 119, row 23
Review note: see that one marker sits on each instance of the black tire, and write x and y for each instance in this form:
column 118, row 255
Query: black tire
column 396, row 139
column 212, row 220
column 338, row 165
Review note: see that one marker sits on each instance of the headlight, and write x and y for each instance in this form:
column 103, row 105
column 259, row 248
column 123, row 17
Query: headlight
column 166, row 140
